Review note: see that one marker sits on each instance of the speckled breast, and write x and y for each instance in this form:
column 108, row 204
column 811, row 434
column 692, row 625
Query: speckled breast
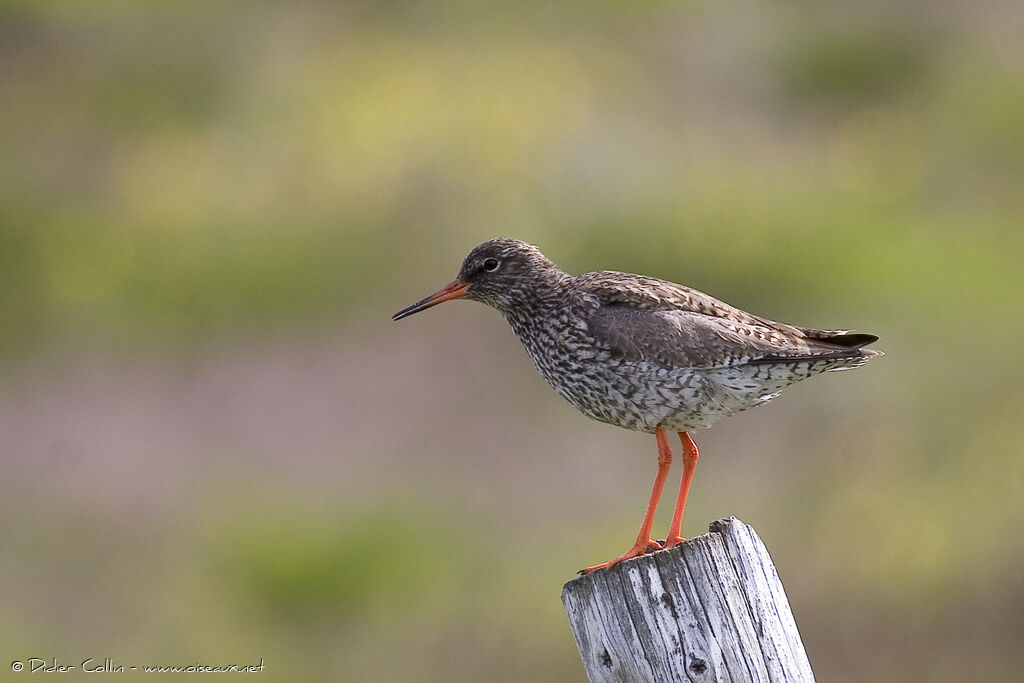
column 638, row 395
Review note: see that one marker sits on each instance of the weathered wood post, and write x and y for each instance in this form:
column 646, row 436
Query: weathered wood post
column 709, row 609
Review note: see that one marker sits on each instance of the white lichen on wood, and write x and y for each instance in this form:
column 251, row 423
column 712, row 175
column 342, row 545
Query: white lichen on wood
column 710, row 609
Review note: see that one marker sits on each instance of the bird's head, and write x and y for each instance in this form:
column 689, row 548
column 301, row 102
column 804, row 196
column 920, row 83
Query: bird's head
column 501, row 272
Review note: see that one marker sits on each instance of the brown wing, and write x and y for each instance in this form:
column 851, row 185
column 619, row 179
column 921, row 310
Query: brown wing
column 639, row 291
column 646, row 318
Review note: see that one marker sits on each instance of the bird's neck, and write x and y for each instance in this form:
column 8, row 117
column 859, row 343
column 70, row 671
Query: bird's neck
column 538, row 303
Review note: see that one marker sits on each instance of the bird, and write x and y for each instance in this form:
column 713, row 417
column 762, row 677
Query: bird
column 643, row 353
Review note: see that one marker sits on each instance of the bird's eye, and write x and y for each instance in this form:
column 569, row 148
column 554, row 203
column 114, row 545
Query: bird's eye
column 491, row 264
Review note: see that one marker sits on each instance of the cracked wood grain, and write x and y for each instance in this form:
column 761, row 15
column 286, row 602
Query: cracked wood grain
column 709, row 610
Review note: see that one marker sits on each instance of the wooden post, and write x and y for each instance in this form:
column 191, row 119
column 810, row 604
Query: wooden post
column 709, row 609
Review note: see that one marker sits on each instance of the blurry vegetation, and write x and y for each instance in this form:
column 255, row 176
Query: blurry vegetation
column 177, row 172
column 856, row 62
column 301, row 565
column 181, row 177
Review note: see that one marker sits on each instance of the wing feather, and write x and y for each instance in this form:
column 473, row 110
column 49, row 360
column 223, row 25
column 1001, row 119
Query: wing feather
column 642, row 318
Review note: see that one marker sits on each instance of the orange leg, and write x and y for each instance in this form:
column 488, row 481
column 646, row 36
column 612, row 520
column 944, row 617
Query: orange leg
column 690, row 455
column 643, row 539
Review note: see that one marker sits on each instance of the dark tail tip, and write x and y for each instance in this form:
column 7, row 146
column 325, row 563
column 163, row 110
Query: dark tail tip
column 852, row 340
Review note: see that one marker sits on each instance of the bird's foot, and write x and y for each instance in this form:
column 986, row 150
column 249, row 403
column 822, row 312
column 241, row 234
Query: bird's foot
column 636, row 551
column 674, row 540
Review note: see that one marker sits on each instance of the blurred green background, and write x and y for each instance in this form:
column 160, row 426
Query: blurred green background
column 217, row 448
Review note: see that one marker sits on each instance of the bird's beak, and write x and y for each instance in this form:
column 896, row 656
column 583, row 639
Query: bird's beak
column 453, row 291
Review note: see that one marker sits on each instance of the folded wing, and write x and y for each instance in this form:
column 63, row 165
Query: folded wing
column 645, row 318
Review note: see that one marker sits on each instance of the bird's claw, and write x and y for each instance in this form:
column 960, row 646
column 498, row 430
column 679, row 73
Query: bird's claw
column 635, row 551
column 673, row 541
